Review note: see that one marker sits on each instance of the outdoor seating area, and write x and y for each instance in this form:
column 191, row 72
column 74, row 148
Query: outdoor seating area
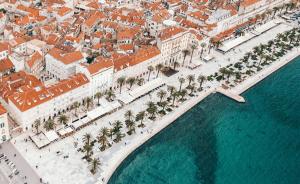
column 228, row 45
column 105, row 108
column 65, row 131
column 265, row 27
column 138, row 92
column 231, row 44
column 40, row 140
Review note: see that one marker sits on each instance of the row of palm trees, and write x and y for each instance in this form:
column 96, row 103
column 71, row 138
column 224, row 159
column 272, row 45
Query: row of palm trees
column 260, row 56
column 130, row 81
column 118, row 130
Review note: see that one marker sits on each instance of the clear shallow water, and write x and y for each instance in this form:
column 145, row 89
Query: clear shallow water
column 222, row 142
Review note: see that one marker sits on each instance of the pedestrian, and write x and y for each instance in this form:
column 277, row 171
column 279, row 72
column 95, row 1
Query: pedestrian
column 15, row 155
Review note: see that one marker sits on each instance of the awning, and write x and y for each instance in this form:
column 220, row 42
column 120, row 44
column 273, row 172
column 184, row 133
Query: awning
column 51, row 135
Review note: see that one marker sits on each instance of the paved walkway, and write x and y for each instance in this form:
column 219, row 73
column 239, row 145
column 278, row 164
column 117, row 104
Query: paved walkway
column 25, row 170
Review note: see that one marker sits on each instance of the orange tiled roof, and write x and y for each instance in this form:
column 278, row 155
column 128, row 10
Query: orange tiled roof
column 5, row 65
column 26, row 91
column 4, row 46
column 64, row 57
column 2, row 110
column 64, row 10
column 35, row 58
column 247, row 3
column 170, row 32
column 99, row 65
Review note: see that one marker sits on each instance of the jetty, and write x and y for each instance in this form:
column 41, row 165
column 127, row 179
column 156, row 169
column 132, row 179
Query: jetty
column 230, row 94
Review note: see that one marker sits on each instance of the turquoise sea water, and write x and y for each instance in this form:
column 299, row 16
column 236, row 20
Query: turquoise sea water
column 222, row 142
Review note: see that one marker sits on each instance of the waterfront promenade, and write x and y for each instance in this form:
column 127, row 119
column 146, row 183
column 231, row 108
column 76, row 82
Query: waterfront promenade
column 168, row 119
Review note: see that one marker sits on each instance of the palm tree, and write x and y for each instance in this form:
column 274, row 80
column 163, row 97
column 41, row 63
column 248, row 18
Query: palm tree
column 76, row 106
column 37, row 124
column 193, row 47
column 121, row 81
column 130, row 126
column 202, row 45
column 102, row 139
column 192, row 88
column 110, row 95
column 87, row 138
column 95, row 164
column 98, row 95
column 229, row 73
column 175, row 95
column 201, row 79
column 150, row 69
column 171, row 89
column 223, row 71
column 131, row 81
column 185, row 53
column 182, row 93
column 158, row 68
column 161, row 94
column 190, row 78
column 164, row 104
column 119, row 137
column 63, row 119
column 110, row 133
column 49, row 125
column 117, row 126
column 140, row 117
column 128, row 115
column 181, row 81
column 88, row 102
column 152, row 109
column 87, row 148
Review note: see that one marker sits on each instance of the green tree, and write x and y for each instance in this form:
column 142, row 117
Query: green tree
column 98, row 95
column 190, row 78
column 158, row 68
column 128, row 115
column 95, row 164
column 140, row 117
column 185, row 53
column 161, row 94
column 150, row 70
column 201, row 79
column 181, row 81
column 152, row 109
column 75, row 107
column 110, row 95
column 121, row 81
column 193, row 47
column 131, row 81
column 36, row 125
column 49, row 125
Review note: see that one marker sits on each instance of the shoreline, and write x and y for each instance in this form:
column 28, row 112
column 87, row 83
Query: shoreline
column 264, row 73
column 186, row 106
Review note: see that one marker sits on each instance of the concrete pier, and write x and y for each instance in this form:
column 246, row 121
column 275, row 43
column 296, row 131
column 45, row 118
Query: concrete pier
column 231, row 95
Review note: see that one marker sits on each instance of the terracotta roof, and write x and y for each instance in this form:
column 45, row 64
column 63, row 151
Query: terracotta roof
column 64, row 10
column 99, row 65
column 35, row 58
column 170, row 32
column 199, row 15
column 5, row 64
column 26, row 91
column 64, row 57
column 247, row 3
column 2, row 110
column 4, row 46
